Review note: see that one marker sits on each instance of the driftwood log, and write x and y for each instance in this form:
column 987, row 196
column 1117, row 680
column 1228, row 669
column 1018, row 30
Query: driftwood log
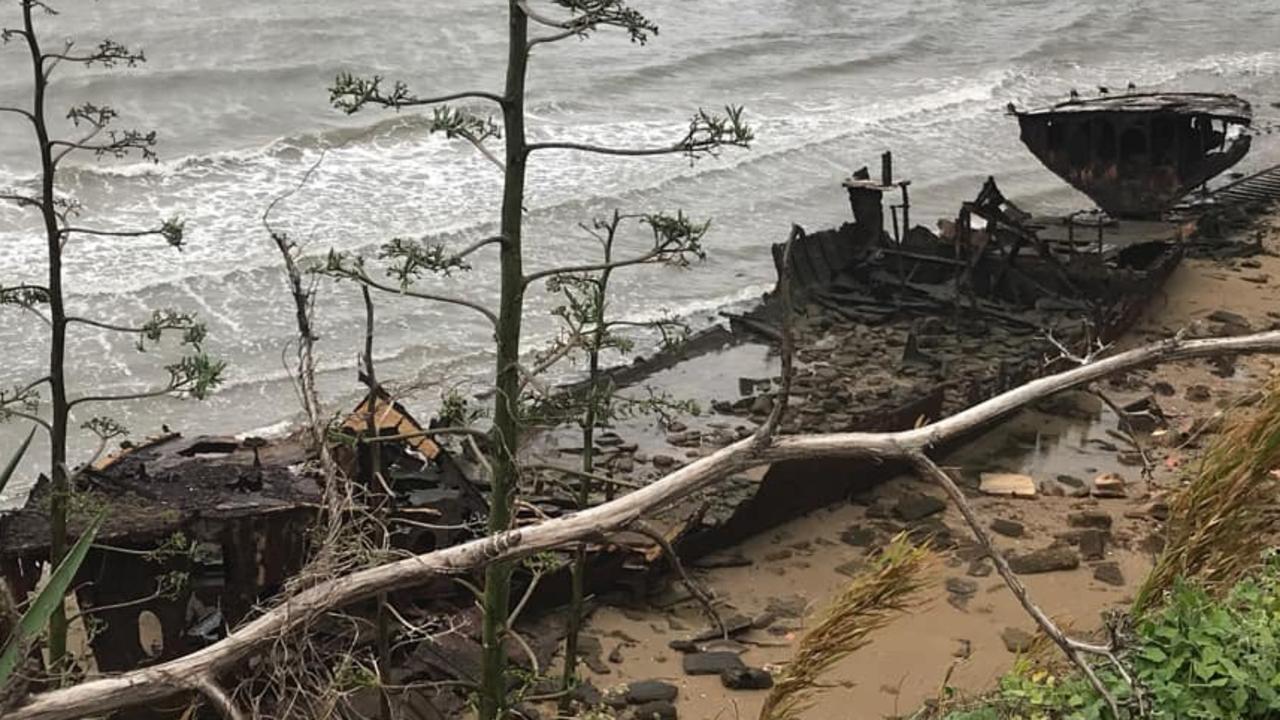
column 199, row 671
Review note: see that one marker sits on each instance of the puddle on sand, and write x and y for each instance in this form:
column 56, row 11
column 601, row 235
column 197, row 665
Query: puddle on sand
column 714, row 376
column 1045, row 446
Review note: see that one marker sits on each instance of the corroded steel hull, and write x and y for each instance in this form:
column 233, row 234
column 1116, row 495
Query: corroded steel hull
column 1137, row 155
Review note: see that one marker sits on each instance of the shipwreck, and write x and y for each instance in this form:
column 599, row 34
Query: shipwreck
column 894, row 324
column 1137, row 154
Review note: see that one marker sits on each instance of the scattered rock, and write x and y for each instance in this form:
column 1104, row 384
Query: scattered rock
column 733, row 624
column 1050, row 559
column 1109, row 573
column 1226, row 317
column 790, row 607
column 662, row 462
column 961, row 586
column 727, row 559
column 1075, row 486
column 917, row 506
column 747, row 678
column 615, row 655
column 1007, row 484
column 778, row 555
column 762, row 405
column 1109, row 485
column 1017, row 641
column 980, row 568
column 1163, row 389
column 586, row 693
column 858, row 536
column 1144, row 415
column 1093, row 544
column 933, row 531
column 1008, row 528
column 647, row 691
column 657, row 710
column 1090, row 519
column 1198, row 393
column 712, row 663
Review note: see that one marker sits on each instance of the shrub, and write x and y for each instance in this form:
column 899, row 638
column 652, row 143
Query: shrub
column 1197, row 657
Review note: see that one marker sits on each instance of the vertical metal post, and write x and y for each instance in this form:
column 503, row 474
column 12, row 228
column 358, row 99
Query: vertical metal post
column 906, row 208
column 886, row 169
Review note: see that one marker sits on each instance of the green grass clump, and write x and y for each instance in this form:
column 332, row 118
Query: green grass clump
column 1198, row 657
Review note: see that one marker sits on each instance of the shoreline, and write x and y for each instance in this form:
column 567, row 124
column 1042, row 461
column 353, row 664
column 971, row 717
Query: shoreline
column 960, row 637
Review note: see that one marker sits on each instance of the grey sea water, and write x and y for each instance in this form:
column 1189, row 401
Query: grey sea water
column 236, row 90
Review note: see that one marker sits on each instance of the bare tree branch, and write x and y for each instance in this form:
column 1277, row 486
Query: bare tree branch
column 1073, row 649
column 362, row 277
column 19, row 111
column 706, row 135
column 150, row 684
column 219, row 699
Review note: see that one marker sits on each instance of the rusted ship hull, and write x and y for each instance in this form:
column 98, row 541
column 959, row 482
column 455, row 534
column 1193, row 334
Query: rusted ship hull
column 1136, row 155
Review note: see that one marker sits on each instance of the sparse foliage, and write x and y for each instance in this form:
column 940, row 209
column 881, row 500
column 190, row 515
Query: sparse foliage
column 195, row 374
column 675, row 238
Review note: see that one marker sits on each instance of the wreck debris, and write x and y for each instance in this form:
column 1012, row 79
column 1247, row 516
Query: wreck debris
column 1137, row 154
column 199, row 530
column 948, row 319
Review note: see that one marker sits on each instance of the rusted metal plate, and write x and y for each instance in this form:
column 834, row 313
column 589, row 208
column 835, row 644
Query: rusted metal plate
column 390, row 417
column 1137, row 154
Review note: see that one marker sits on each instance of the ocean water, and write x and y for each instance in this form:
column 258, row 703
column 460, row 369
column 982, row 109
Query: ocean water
column 237, row 92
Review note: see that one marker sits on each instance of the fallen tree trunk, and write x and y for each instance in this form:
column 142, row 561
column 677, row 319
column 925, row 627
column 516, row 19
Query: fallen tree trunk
column 195, row 672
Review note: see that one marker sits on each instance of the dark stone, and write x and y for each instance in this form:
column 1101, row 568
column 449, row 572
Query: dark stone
column 1109, row 573
column 917, row 506
column 935, row 532
column 1050, row 559
column 683, row 645
column 586, row 693
column 711, row 663
column 1017, row 641
column 746, row 679
column 858, row 536
column 790, row 607
column 1144, row 415
column 1163, row 389
column 1093, row 544
column 961, row 586
column 1198, row 393
column 1008, row 528
column 647, row 691
column 730, row 559
column 980, row 568
column 1072, row 481
column 1226, row 317
column 656, row 710
column 1090, row 519
column 733, row 624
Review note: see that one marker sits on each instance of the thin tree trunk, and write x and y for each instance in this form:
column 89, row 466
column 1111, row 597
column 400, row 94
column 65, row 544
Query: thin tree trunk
column 506, row 420
column 57, row 346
